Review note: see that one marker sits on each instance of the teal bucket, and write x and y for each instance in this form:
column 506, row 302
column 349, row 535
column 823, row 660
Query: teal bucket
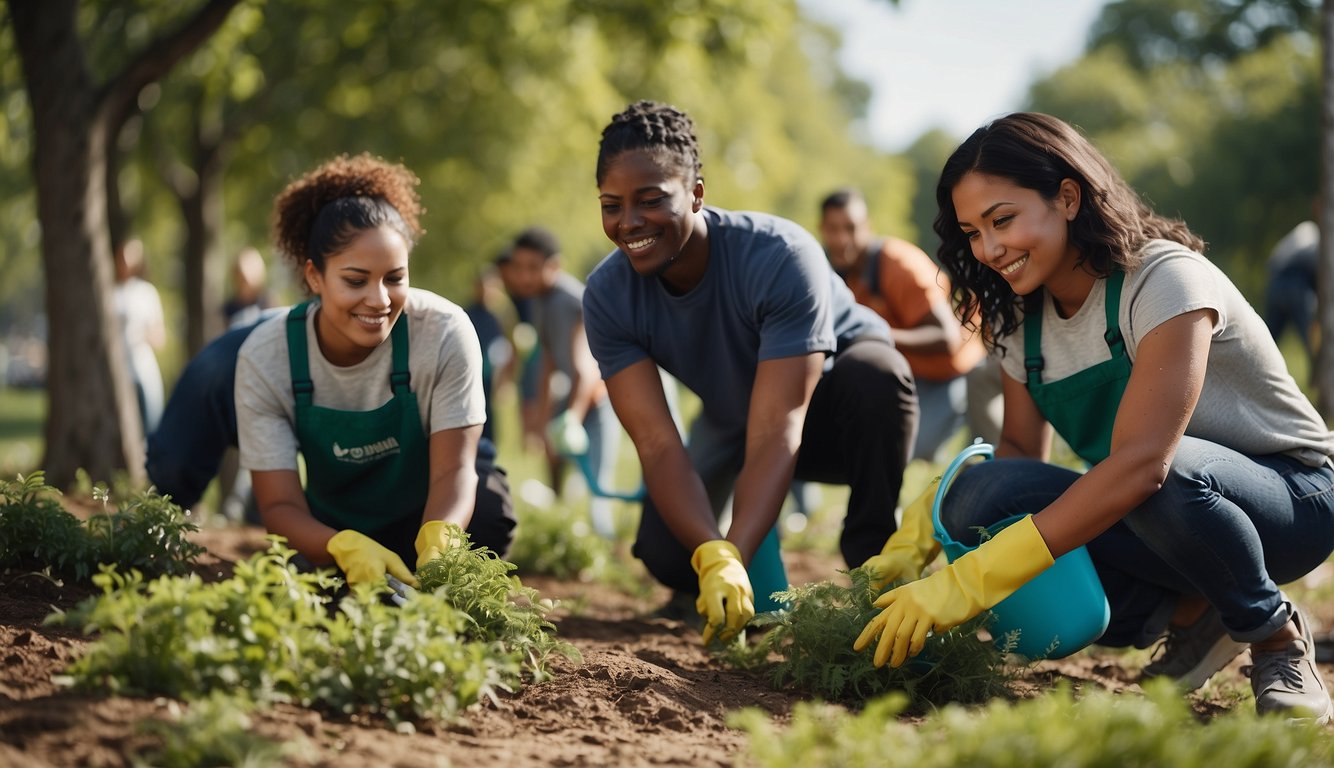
column 1060, row 611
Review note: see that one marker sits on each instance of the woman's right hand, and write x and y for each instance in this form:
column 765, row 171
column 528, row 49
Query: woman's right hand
column 365, row 561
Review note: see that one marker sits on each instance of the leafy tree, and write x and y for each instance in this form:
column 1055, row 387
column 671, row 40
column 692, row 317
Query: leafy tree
column 1153, row 33
column 74, row 118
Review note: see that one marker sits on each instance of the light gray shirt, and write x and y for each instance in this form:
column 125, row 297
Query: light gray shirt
column 444, row 360
column 1249, row 402
column 555, row 315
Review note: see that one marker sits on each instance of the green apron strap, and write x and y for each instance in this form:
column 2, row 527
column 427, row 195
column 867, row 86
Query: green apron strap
column 400, row 377
column 1115, row 342
column 1033, row 362
column 302, row 387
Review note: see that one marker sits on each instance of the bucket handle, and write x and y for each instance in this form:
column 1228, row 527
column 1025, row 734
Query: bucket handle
column 978, row 448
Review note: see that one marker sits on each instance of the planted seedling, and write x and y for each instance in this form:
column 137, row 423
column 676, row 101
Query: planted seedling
column 809, row 647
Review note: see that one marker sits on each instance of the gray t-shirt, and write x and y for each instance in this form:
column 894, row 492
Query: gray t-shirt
column 444, row 360
column 1249, row 402
column 555, row 316
column 768, row 293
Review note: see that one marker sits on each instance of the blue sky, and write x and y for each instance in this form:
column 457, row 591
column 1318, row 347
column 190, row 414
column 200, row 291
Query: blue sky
column 951, row 63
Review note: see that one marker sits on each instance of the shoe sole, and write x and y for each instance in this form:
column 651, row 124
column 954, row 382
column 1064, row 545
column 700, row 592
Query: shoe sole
column 1224, row 651
column 1321, row 719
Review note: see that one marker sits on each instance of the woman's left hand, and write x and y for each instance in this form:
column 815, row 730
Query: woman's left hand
column 435, row 537
column 956, row 593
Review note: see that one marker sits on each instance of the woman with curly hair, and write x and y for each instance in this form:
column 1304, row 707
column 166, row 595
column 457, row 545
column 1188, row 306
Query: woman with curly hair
column 377, row 385
column 1209, row 481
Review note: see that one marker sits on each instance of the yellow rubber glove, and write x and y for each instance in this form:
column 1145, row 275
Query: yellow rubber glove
column 567, row 435
column 726, row 600
column 364, row 561
column 912, row 546
column 956, row 593
column 435, row 537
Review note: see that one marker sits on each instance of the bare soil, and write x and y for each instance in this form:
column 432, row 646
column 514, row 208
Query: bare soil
column 645, row 693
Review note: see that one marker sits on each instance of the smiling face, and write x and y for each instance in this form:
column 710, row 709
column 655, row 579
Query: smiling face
column 650, row 211
column 362, row 291
column 1021, row 235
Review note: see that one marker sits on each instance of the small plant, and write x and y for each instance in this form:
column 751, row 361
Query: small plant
column 496, row 604
column 36, row 533
column 212, row 731
column 147, row 532
column 557, row 542
column 267, row 634
column 813, row 645
column 1057, row 729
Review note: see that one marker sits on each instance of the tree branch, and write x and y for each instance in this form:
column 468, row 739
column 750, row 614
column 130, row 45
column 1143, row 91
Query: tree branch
column 158, row 57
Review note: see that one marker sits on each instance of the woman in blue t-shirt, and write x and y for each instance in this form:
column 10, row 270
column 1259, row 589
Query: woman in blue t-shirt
column 1210, row 481
column 795, row 378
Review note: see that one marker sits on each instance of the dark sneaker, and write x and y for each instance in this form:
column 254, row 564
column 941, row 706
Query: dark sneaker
column 1191, row 655
column 1288, row 680
column 680, row 607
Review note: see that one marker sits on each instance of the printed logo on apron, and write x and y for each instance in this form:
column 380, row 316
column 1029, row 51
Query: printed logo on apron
column 365, row 470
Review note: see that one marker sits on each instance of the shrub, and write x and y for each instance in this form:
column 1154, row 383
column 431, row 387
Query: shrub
column 147, row 532
column 809, row 646
column 495, row 605
column 267, row 634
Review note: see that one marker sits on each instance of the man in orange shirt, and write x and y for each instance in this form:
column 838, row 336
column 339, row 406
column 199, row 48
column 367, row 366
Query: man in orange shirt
column 901, row 283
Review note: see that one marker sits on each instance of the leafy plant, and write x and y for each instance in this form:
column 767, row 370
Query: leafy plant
column 37, row 533
column 147, row 532
column 496, row 605
column 810, row 646
column 554, row 541
column 212, row 731
column 1057, row 729
column 267, row 634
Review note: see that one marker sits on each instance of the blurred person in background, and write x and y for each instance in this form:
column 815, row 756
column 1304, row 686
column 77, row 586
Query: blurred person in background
column 905, row 287
column 139, row 311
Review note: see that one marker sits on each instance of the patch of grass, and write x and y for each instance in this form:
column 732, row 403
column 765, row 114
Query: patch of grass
column 1057, row 729
column 22, row 417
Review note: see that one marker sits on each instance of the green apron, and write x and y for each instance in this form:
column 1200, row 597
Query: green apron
column 1082, row 407
column 365, row 470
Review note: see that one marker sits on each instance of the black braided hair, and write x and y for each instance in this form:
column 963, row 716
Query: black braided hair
column 661, row 129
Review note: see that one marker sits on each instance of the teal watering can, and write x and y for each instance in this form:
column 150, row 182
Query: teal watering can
column 1058, row 612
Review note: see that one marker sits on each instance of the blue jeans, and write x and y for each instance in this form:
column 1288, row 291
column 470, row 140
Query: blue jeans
column 1224, row 526
column 943, row 406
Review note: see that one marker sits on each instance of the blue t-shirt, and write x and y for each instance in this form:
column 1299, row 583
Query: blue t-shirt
column 768, row 292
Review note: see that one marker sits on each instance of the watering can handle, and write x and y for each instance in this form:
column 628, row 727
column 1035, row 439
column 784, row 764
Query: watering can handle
column 585, row 465
column 978, row 448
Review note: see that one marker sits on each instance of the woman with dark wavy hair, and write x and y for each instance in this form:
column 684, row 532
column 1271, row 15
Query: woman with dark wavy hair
column 1209, row 479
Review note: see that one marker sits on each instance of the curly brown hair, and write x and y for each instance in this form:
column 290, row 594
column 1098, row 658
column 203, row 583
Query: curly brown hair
column 321, row 212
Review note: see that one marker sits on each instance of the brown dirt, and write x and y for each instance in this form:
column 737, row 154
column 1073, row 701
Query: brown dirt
column 645, row 694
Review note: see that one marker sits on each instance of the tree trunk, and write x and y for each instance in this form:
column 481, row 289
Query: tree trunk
column 1325, row 280
column 202, row 211
column 92, row 419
